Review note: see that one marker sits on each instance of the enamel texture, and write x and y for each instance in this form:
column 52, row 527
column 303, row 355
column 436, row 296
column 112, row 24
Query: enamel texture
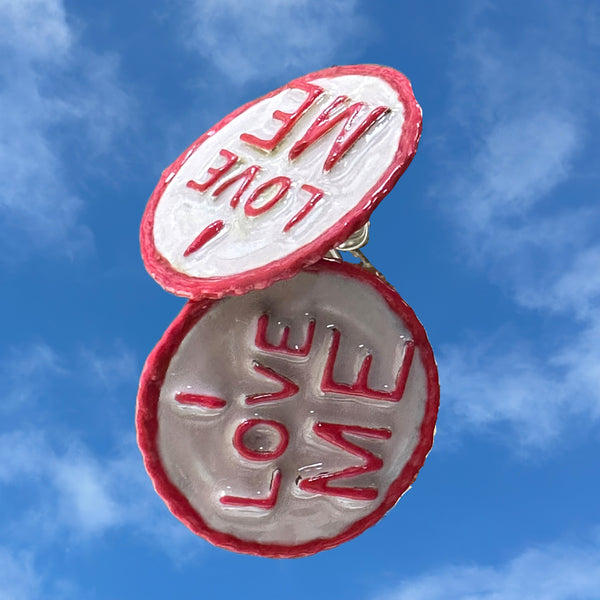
column 283, row 422
column 280, row 181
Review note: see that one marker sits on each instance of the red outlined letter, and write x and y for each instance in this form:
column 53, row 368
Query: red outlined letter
column 316, row 195
column 252, row 454
column 207, row 234
column 361, row 388
column 330, row 117
column 260, row 455
column 288, row 120
column 214, row 174
column 284, row 184
column 199, row 400
column 288, row 390
column 334, row 434
column 266, row 503
column 247, row 175
column 283, row 346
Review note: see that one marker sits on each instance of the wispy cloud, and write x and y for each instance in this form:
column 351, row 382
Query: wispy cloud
column 522, row 120
column 521, row 159
column 75, row 490
column 31, row 372
column 522, row 106
column 556, row 572
column 111, row 368
column 52, row 85
column 18, row 578
column 80, row 494
column 272, row 37
column 81, row 497
column 24, row 370
column 509, row 388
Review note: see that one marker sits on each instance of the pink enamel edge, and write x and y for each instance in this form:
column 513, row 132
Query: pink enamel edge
column 216, row 287
column 151, row 382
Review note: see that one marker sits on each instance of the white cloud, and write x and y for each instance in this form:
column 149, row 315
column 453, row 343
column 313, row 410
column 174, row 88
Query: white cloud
column 573, row 287
column 37, row 28
column 85, row 497
column 556, row 572
column 24, row 370
column 520, row 161
column 523, row 110
column 272, row 37
column 113, row 368
column 522, row 107
column 22, row 579
column 76, row 493
column 504, row 384
column 29, row 371
column 18, row 578
column 73, row 490
column 52, row 84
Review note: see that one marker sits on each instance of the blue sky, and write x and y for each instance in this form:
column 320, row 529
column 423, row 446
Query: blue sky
column 492, row 236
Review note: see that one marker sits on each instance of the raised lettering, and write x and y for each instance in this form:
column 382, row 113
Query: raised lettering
column 260, row 454
column 247, row 175
column 315, row 195
column 283, row 346
column 345, row 140
column 199, row 400
column 334, row 434
column 214, row 174
column 266, row 503
column 289, row 388
column 360, row 387
column 207, row 234
column 288, row 120
column 328, row 119
column 283, row 183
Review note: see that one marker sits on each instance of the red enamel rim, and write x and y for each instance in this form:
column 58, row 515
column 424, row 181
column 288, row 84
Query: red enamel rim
column 216, row 287
column 151, row 382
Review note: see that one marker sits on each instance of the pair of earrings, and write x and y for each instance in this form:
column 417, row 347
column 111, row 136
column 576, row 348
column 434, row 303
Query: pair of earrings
column 293, row 400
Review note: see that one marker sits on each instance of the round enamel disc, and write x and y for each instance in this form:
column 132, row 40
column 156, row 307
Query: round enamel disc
column 288, row 420
column 280, row 181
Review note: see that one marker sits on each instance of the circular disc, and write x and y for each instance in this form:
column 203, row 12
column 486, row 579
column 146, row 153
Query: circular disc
column 288, row 420
column 280, row 181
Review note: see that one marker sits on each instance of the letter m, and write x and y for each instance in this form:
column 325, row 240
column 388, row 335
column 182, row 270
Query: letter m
column 336, row 112
column 334, row 434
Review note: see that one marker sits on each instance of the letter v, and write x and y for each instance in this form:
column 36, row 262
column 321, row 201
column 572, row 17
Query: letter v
column 288, row 390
